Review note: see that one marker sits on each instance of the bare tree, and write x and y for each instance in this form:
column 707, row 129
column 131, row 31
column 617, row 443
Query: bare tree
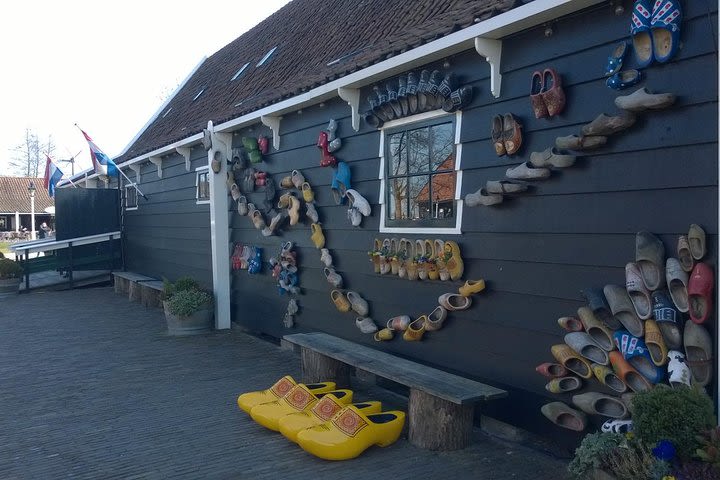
column 29, row 155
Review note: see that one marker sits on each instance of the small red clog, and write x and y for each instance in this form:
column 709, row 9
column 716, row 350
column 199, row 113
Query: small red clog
column 700, row 291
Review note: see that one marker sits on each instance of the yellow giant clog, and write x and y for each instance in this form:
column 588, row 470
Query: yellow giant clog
column 292, row 424
column 351, row 432
column 247, row 401
column 299, row 399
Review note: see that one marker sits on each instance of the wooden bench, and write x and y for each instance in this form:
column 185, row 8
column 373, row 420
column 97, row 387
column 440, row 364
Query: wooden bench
column 440, row 406
column 139, row 288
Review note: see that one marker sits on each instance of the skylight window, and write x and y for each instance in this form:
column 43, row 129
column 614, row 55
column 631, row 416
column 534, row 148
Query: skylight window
column 166, row 112
column 239, row 72
column 266, row 57
column 198, row 94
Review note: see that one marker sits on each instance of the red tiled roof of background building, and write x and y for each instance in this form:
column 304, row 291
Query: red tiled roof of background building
column 14, row 195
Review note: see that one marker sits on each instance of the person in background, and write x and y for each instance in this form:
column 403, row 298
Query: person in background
column 44, row 230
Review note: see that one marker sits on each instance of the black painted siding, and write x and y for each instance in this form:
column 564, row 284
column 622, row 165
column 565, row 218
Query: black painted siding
column 536, row 251
column 168, row 236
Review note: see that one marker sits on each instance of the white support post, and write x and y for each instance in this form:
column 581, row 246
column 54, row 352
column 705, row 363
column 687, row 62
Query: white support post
column 157, row 161
column 491, row 49
column 273, row 122
column 185, row 152
column 135, row 167
column 219, row 226
column 352, row 97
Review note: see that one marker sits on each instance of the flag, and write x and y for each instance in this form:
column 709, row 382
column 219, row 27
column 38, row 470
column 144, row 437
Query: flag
column 52, row 176
column 102, row 164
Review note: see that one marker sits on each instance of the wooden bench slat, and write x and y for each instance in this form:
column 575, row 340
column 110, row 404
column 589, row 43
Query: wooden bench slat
column 447, row 386
column 133, row 277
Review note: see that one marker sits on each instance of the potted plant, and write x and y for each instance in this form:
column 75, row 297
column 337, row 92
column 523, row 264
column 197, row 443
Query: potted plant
column 188, row 309
column 10, row 277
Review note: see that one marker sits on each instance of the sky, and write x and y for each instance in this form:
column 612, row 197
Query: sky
column 106, row 66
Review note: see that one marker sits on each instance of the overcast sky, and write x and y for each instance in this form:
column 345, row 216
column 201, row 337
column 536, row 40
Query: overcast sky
column 104, row 65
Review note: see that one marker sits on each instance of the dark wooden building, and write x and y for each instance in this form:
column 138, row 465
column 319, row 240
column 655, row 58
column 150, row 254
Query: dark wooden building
column 314, row 61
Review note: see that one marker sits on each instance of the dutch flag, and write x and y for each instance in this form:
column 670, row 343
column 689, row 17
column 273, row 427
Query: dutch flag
column 52, row 176
column 102, row 164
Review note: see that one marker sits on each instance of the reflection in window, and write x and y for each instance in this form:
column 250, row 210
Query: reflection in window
column 131, row 200
column 421, row 175
column 203, row 185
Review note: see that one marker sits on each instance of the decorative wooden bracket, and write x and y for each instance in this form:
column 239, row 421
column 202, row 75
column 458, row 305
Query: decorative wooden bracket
column 273, row 122
column 491, row 49
column 185, row 152
column 157, row 161
column 136, row 168
column 352, row 97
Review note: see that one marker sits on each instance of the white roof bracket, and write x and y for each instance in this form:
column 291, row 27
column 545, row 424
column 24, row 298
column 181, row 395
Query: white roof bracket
column 352, row 97
column 273, row 122
column 491, row 49
column 135, row 167
column 157, row 161
column 185, row 152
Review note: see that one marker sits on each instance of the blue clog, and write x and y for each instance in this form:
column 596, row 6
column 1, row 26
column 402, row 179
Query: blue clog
column 624, row 79
column 615, row 61
column 641, row 34
column 665, row 25
column 340, row 182
column 636, row 353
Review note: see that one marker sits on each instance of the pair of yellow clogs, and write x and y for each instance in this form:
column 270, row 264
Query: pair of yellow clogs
column 321, row 419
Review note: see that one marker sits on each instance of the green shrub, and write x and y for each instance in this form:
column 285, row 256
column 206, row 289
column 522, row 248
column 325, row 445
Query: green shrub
column 633, row 460
column 10, row 268
column 592, row 452
column 677, row 415
column 187, row 302
column 181, row 284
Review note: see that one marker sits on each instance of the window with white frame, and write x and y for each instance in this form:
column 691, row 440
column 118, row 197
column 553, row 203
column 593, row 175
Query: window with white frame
column 202, row 185
column 420, row 174
column 131, row 197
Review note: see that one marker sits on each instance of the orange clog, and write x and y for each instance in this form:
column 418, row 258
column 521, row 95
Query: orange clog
column 631, row 377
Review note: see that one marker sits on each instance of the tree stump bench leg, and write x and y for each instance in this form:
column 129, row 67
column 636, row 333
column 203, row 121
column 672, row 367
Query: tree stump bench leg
column 319, row 368
column 121, row 284
column 134, row 292
column 150, row 297
column 436, row 424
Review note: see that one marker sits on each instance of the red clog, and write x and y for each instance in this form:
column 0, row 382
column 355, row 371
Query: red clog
column 536, row 99
column 700, row 291
column 553, row 94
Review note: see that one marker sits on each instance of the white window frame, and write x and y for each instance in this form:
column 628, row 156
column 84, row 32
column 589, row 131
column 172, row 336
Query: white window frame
column 198, row 171
column 131, row 187
column 456, row 230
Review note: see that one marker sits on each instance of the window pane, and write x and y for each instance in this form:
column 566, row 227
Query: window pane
column 443, row 195
column 419, row 197
column 203, row 188
column 397, row 156
column 442, row 146
column 398, row 203
column 418, row 150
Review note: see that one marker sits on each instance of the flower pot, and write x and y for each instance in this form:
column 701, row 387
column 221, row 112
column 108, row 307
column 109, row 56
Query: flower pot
column 9, row 286
column 198, row 322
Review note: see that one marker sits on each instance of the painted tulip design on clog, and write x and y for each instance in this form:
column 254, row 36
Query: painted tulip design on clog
column 279, row 389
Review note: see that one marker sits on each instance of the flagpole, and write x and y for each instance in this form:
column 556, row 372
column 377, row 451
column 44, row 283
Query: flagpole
column 116, row 168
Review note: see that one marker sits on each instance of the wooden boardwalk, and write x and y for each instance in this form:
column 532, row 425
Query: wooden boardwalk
column 93, row 388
